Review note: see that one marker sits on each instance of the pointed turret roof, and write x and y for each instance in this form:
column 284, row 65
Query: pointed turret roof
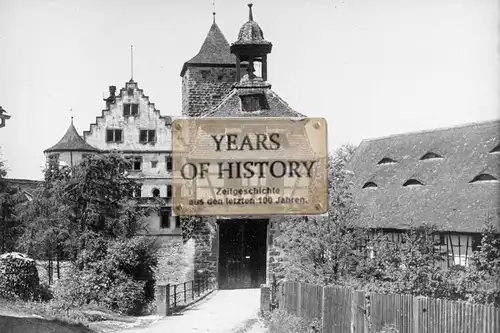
column 71, row 141
column 214, row 51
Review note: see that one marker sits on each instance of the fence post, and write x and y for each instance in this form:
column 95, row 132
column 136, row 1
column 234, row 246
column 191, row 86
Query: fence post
column 416, row 314
column 175, row 295
column 161, row 301
column 198, row 286
column 323, row 314
column 167, row 294
column 185, row 299
column 192, row 289
column 299, row 298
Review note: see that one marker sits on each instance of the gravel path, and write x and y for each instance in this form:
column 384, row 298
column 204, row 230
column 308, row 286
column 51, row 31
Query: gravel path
column 225, row 311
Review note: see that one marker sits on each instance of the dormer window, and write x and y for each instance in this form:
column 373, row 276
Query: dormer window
column 496, row 149
column 386, row 160
column 430, row 155
column 370, row 185
column 484, row 177
column 412, row 182
column 130, row 109
column 254, row 102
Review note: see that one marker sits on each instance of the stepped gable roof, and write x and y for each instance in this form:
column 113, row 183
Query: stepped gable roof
column 131, row 84
column 444, row 161
column 214, row 51
column 71, row 141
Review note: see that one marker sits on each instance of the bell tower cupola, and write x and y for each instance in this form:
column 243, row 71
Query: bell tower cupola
column 251, row 48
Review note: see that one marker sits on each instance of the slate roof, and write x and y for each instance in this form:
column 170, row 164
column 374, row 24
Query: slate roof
column 71, row 141
column 446, row 198
column 230, row 105
column 250, row 33
column 214, row 51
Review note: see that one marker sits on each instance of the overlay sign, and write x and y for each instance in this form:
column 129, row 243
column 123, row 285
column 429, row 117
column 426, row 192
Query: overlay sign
column 249, row 166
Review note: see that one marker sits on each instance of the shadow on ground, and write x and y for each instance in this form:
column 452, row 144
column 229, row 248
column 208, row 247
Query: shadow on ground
column 37, row 325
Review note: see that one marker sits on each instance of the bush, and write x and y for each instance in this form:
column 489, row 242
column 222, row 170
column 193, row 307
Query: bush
column 18, row 277
column 389, row 328
column 115, row 274
column 279, row 321
column 44, row 293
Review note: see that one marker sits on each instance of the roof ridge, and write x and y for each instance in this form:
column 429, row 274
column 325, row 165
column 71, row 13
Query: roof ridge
column 437, row 129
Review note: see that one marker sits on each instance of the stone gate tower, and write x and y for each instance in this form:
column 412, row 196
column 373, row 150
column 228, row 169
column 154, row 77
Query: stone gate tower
column 209, row 75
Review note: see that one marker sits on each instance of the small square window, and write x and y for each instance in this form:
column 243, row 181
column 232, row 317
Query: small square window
column 168, row 162
column 114, row 135
column 165, row 218
column 130, row 109
column 137, row 163
column 154, row 164
column 147, row 136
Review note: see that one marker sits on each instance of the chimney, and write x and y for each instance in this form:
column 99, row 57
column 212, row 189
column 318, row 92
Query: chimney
column 112, row 97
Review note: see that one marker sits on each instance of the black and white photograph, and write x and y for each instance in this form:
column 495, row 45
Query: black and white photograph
column 229, row 166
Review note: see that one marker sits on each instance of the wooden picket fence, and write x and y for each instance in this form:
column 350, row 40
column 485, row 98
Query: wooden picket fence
column 343, row 310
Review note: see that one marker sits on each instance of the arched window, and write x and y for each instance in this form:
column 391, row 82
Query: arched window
column 370, row 185
column 156, row 192
column 496, row 149
column 430, row 155
column 386, row 160
column 484, row 177
column 412, row 182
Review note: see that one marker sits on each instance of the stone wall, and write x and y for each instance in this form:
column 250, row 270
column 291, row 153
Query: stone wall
column 204, row 87
column 206, row 238
column 175, row 260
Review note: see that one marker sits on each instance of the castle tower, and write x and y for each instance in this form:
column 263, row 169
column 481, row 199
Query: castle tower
column 71, row 148
column 209, row 75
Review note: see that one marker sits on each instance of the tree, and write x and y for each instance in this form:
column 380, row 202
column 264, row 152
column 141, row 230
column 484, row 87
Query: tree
column 324, row 249
column 10, row 196
column 480, row 282
column 410, row 265
column 88, row 212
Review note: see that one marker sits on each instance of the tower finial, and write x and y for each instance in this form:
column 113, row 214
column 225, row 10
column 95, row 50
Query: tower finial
column 250, row 15
column 131, row 62
column 213, row 6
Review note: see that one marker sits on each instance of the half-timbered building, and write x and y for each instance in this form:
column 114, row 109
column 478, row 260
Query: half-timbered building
column 448, row 177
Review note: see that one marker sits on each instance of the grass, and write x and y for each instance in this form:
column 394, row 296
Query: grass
column 89, row 318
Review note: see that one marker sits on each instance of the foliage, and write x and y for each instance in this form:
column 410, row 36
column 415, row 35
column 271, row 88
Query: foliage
column 116, row 274
column 409, row 266
column 324, row 250
column 279, row 321
column 18, row 277
column 88, row 214
column 480, row 282
column 9, row 198
column 389, row 328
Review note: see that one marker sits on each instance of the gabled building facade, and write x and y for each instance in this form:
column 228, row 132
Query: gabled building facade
column 130, row 124
column 446, row 177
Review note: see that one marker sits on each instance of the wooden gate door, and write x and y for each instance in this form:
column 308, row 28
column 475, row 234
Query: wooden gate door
column 242, row 254
column 233, row 268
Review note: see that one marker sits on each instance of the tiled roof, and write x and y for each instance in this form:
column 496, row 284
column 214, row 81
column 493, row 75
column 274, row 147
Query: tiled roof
column 71, row 141
column 214, row 51
column 446, row 198
column 230, row 106
column 250, row 33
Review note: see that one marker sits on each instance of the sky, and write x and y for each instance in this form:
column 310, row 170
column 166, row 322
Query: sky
column 371, row 68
